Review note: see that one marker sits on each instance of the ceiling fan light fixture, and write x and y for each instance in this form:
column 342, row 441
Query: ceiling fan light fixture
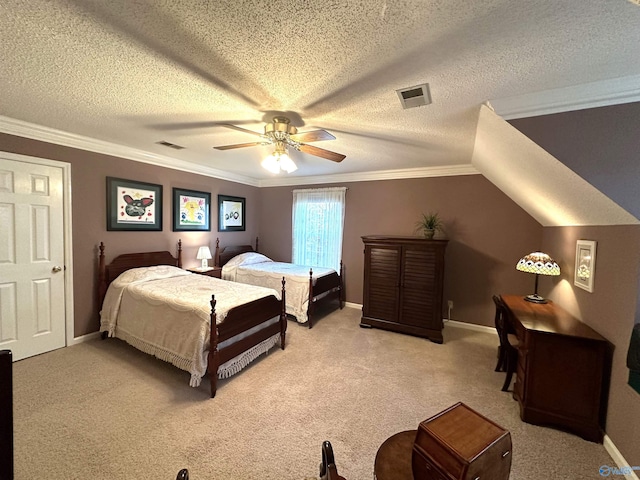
column 271, row 163
column 279, row 161
column 287, row 164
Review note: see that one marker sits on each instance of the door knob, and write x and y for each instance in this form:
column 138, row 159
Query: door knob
column 56, row 269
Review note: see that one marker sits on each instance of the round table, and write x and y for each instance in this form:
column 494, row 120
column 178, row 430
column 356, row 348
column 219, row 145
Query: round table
column 393, row 460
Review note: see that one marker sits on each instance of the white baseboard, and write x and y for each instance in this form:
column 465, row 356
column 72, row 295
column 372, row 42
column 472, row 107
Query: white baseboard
column 84, row 338
column 623, row 466
column 469, row 326
column 352, row 305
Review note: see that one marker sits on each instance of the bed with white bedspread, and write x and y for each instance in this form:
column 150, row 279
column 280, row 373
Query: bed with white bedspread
column 197, row 323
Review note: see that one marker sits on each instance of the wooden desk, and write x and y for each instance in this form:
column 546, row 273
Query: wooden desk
column 564, row 369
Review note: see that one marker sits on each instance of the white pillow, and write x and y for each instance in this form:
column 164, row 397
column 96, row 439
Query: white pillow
column 247, row 258
column 149, row 273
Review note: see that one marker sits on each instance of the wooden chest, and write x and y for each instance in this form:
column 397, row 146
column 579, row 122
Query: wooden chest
column 462, row 444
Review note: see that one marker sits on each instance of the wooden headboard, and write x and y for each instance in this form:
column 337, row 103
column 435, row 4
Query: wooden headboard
column 108, row 273
column 224, row 254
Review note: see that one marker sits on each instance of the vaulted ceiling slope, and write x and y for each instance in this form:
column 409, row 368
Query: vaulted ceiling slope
column 545, row 188
column 132, row 74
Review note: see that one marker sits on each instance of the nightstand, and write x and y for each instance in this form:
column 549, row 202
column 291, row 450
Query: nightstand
column 210, row 272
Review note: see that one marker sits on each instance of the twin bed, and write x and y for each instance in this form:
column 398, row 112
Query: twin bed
column 198, row 323
column 306, row 286
column 203, row 324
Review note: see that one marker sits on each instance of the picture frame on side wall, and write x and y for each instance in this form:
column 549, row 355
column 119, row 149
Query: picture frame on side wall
column 133, row 205
column 585, row 269
column 231, row 214
column 191, row 210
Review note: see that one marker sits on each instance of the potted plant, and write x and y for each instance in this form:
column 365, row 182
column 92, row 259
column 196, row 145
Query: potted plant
column 430, row 224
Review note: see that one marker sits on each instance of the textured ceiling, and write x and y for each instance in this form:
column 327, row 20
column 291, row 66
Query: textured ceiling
column 134, row 73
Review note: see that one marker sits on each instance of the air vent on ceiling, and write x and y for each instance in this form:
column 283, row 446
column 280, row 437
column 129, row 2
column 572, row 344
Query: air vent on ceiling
column 414, row 96
column 170, row 145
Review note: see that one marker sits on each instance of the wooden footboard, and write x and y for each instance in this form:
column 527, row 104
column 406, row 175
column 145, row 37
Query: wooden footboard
column 326, row 288
column 238, row 320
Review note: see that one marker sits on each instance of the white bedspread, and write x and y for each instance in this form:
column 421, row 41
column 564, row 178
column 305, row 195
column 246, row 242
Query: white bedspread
column 165, row 311
column 267, row 273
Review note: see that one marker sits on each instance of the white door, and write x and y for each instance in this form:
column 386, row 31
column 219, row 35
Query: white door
column 32, row 287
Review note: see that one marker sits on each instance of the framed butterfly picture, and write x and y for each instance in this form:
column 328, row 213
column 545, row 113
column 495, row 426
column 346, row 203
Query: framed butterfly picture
column 133, row 205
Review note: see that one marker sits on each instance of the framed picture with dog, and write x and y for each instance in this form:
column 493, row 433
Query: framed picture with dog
column 191, row 210
column 133, row 205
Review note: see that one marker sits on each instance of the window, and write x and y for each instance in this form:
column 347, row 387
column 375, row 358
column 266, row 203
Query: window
column 318, row 222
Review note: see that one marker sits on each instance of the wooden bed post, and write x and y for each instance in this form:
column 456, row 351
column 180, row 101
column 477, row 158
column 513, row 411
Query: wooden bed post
column 257, row 249
column 214, row 356
column 179, row 265
column 310, row 305
column 283, row 317
column 102, row 283
column 216, row 256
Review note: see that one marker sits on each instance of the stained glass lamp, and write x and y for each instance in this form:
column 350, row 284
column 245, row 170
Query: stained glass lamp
column 540, row 264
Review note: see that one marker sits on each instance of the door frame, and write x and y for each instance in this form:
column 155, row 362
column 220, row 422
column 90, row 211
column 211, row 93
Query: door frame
column 67, row 233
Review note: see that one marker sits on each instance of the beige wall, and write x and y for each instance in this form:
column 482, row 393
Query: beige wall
column 487, row 232
column 610, row 310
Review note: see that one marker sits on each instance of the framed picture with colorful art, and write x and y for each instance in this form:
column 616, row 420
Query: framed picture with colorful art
column 585, row 264
column 133, row 205
column 231, row 214
column 191, row 210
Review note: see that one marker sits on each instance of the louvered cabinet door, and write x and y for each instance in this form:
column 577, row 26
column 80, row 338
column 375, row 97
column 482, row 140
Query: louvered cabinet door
column 382, row 282
column 419, row 304
column 403, row 283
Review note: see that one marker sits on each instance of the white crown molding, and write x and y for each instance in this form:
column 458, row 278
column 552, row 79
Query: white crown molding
column 58, row 137
column 578, row 97
column 424, row 172
column 45, row 134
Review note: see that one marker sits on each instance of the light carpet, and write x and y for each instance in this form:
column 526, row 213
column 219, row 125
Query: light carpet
column 103, row 410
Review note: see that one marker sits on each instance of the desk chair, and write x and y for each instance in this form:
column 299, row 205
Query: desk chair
column 508, row 349
column 183, row 474
column 328, row 469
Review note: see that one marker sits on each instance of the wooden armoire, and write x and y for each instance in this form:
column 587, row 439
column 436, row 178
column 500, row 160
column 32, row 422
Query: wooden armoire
column 403, row 283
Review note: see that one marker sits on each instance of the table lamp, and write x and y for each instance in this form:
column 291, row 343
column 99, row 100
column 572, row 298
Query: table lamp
column 540, row 264
column 204, row 254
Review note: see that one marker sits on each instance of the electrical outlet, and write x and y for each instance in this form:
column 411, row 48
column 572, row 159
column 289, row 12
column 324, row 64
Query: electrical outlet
column 450, row 303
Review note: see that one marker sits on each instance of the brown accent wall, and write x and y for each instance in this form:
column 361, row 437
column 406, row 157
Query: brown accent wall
column 487, row 232
column 610, row 310
column 88, row 185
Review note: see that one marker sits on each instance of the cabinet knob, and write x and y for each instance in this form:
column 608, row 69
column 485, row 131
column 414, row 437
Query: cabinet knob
column 506, row 453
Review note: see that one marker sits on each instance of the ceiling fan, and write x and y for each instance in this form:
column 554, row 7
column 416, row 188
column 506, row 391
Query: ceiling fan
column 282, row 134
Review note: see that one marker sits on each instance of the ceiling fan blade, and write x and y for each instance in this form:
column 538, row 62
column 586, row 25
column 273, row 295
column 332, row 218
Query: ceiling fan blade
column 240, row 129
column 321, row 152
column 312, row 136
column 238, row 145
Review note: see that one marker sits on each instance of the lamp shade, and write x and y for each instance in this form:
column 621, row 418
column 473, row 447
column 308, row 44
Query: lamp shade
column 539, row 263
column 203, row 253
